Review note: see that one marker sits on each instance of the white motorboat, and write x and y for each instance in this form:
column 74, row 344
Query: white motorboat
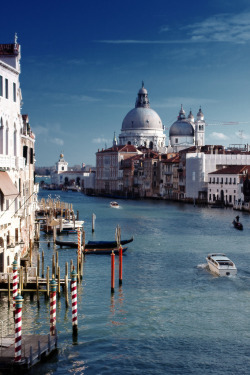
column 221, row 265
column 114, row 204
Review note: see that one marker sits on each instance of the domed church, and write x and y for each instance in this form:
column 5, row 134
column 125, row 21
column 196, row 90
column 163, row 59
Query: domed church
column 142, row 126
column 186, row 132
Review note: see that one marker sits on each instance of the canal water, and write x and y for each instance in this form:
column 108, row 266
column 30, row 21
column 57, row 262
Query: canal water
column 171, row 315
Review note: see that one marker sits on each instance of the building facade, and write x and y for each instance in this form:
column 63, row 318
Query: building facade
column 18, row 194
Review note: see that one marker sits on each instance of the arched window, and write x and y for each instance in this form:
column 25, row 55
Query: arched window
column 1, row 136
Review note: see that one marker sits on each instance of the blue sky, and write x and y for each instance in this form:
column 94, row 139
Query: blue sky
column 83, row 63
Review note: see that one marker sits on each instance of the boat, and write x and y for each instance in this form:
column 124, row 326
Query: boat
column 63, row 226
column 94, row 245
column 114, row 205
column 106, row 244
column 237, row 224
column 94, row 250
column 221, row 265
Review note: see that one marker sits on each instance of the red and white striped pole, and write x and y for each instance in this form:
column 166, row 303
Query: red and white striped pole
column 74, row 300
column 14, row 288
column 53, row 288
column 79, row 244
column 18, row 327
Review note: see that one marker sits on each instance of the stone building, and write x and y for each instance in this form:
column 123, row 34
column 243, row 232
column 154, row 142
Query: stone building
column 18, row 194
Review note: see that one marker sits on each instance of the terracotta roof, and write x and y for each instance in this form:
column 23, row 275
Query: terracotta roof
column 126, row 148
column 232, row 169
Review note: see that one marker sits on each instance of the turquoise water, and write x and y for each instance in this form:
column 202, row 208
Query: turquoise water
column 171, row 315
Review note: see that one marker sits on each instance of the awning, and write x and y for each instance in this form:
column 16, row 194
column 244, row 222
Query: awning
column 7, row 187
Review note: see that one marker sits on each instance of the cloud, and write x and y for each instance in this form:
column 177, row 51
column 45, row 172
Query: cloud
column 115, row 91
column 101, row 140
column 220, row 136
column 57, row 141
column 240, row 135
column 186, row 101
column 218, row 28
column 222, row 28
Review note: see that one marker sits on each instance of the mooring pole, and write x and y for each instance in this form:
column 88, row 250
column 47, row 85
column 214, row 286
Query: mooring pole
column 18, row 327
column 120, row 265
column 14, row 267
column 74, row 300
column 112, row 272
column 53, row 287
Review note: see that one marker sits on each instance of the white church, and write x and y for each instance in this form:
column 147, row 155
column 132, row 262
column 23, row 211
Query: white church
column 142, row 126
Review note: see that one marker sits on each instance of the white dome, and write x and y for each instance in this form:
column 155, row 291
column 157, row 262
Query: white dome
column 142, row 118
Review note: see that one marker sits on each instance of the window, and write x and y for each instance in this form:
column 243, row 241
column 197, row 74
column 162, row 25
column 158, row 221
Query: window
column 25, row 153
column 31, row 156
column 176, row 140
column 217, row 180
column 6, row 88
column 14, row 92
column 1, row 86
column 221, row 180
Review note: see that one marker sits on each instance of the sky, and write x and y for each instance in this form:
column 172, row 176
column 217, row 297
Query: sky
column 83, row 63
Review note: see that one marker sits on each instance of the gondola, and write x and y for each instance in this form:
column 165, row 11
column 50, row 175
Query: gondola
column 95, row 245
column 237, row 225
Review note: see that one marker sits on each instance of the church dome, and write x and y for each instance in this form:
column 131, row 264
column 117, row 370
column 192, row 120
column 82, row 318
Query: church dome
column 181, row 127
column 142, row 116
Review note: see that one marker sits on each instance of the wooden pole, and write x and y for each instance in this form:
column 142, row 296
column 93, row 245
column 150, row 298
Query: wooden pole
column 47, row 281
column 42, row 264
column 66, row 285
column 37, row 291
column 38, row 264
column 93, row 222
column 58, row 282
column 54, row 233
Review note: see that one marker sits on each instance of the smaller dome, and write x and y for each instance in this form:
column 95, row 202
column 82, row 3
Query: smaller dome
column 181, row 128
column 61, row 156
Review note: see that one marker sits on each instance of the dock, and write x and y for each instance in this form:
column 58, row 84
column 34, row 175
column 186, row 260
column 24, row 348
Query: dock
column 35, row 348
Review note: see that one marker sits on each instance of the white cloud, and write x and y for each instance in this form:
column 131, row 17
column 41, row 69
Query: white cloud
column 57, row 141
column 217, row 28
column 115, row 91
column 222, row 28
column 240, row 135
column 101, row 140
column 188, row 102
column 220, row 136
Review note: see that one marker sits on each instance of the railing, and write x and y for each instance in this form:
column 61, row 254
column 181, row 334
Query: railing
column 7, row 161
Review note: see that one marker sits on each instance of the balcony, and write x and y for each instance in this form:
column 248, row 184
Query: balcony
column 7, row 161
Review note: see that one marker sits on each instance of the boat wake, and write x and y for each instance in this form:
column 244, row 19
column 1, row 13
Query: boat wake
column 203, row 266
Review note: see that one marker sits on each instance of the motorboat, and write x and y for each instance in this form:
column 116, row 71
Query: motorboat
column 63, row 226
column 114, row 205
column 221, row 265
